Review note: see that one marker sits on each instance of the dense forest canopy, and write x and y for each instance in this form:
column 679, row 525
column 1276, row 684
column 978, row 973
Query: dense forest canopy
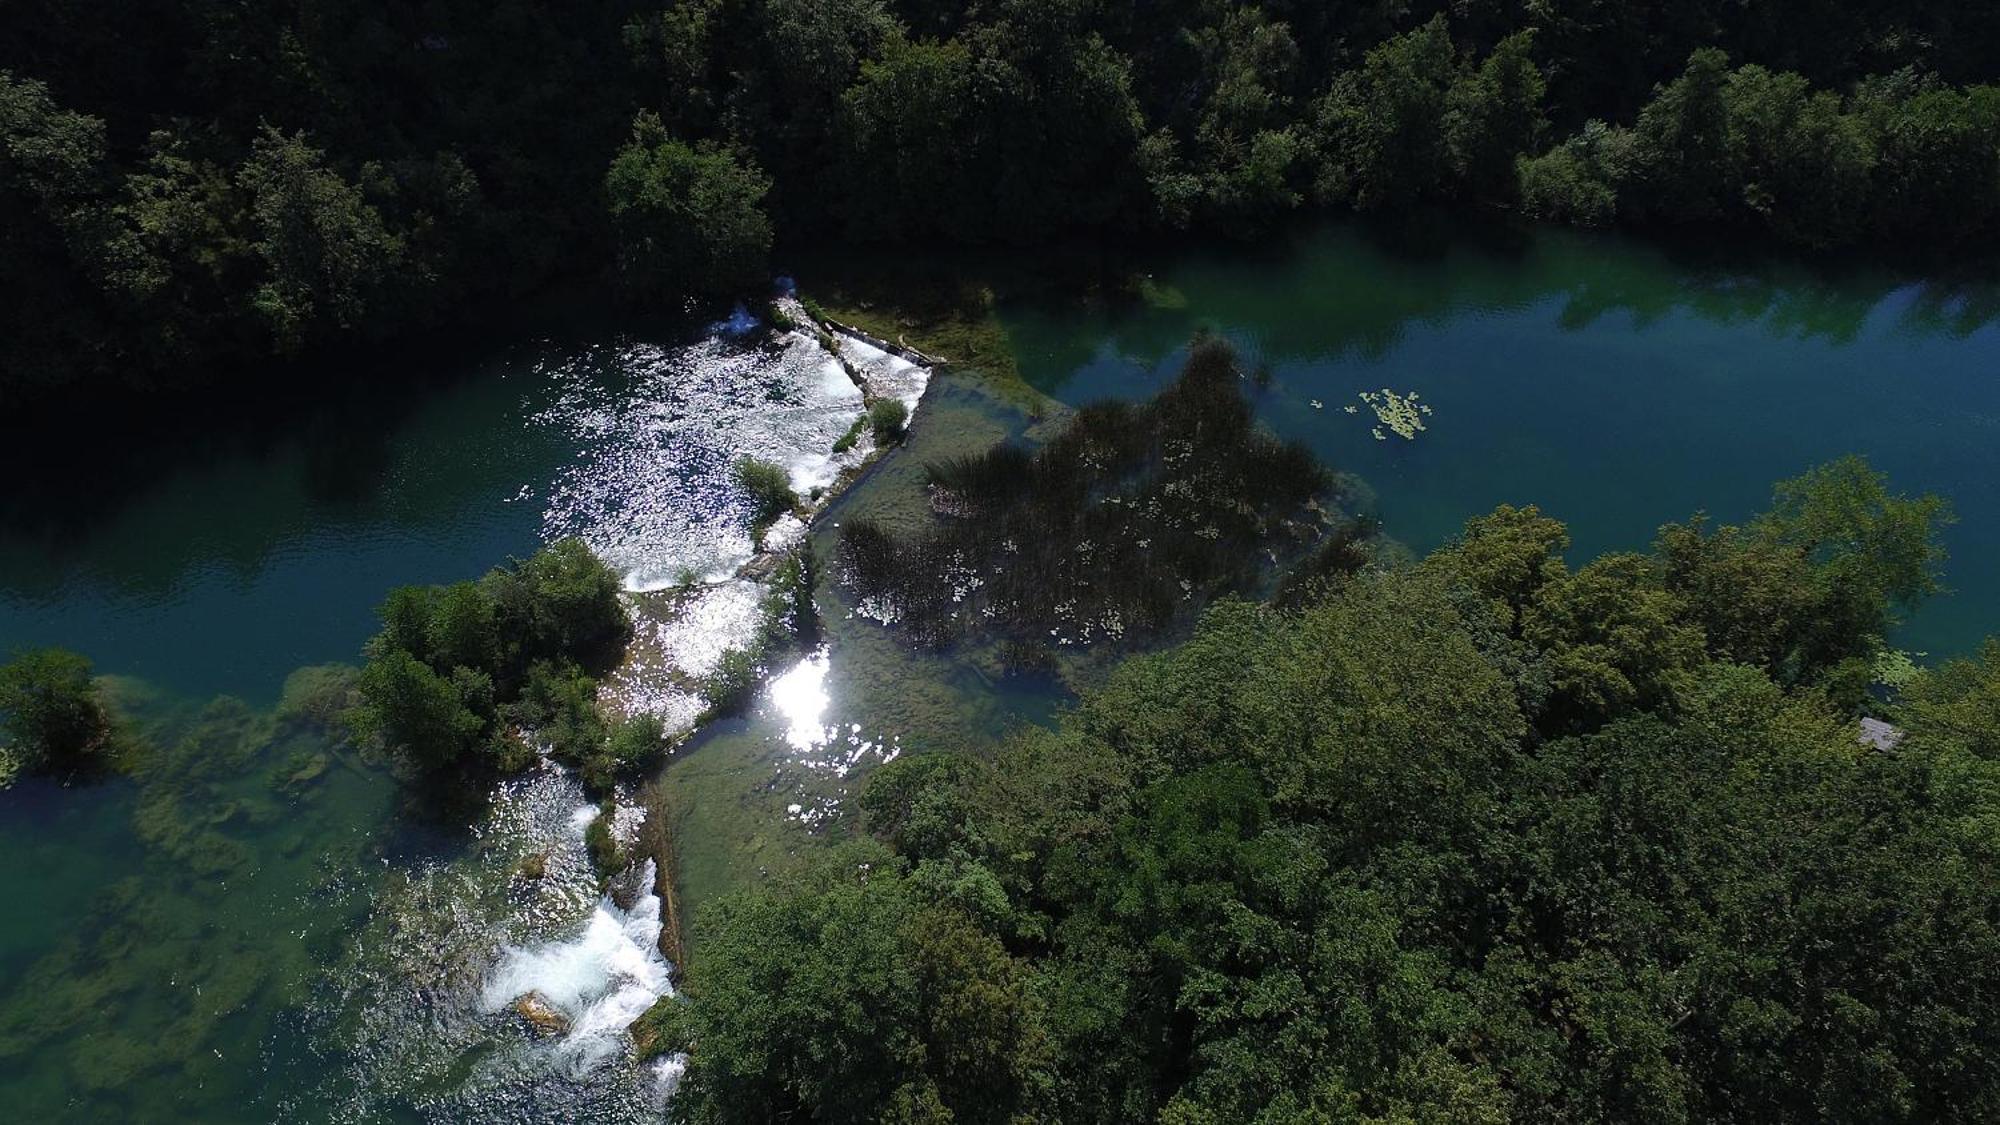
column 1481, row 839
column 194, row 185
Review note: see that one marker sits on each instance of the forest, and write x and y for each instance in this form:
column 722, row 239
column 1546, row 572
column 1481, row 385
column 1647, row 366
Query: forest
column 1480, row 839
column 196, row 188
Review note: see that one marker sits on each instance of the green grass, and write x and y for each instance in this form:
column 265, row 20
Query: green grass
column 852, row 435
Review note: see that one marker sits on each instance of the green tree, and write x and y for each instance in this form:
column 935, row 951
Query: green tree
column 436, row 723
column 843, row 998
column 687, row 220
column 1247, row 143
column 915, row 110
column 1613, row 639
column 1936, row 178
column 54, row 719
column 1317, row 864
column 53, row 184
column 1874, row 550
column 1382, row 128
column 562, row 602
column 1797, row 160
column 1680, row 147
column 1577, row 181
column 1060, row 128
column 328, row 256
column 1495, row 117
column 178, row 258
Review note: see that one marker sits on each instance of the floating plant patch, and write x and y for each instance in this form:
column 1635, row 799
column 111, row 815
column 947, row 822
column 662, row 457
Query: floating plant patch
column 1402, row 414
column 1125, row 522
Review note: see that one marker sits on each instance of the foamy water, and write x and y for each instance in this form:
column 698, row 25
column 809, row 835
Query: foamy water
column 422, row 1012
column 600, row 979
column 654, row 492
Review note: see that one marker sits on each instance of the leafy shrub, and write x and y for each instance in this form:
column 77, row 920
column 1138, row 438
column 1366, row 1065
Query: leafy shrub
column 886, row 420
column 846, row 441
column 602, row 843
column 637, row 741
column 52, row 715
column 770, row 489
column 452, row 662
column 730, row 687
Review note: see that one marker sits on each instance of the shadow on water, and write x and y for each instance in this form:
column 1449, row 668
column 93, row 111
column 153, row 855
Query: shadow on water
column 335, row 417
column 1358, row 288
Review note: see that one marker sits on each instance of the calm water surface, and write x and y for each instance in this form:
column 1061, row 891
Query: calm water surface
column 1594, row 376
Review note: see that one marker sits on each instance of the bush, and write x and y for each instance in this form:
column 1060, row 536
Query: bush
column 770, row 489
column 51, row 712
column 853, row 434
column 733, row 682
column 637, row 741
column 431, row 721
column 886, row 420
column 602, row 843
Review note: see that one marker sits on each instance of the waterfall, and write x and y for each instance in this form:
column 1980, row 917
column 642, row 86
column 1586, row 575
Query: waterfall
column 599, row 979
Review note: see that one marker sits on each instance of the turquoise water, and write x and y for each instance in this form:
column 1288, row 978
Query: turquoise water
column 232, row 935
column 253, row 927
column 1597, row 377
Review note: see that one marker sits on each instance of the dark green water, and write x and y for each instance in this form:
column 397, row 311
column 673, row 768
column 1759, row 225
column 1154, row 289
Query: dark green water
column 1594, row 376
column 171, row 941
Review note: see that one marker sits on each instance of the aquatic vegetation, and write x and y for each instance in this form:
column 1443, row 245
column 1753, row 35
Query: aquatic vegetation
column 886, row 419
column 852, row 436
column 320, row 693
column 1403, row 414
column 1896, row 668
column 185, row 960
column 53, row 717
column 770, row 489
column 1125, row 519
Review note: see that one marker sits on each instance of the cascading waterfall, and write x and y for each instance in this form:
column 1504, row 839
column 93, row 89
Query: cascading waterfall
column 599, row 979
column 499, row 984
column 425, row 1010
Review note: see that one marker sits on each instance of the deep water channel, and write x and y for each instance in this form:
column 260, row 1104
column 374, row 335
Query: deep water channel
column 254, row 929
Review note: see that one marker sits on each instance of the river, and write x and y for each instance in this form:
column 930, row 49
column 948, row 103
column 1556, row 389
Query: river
column 253, row 929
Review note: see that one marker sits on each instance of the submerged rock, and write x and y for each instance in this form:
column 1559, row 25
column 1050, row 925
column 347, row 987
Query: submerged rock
column 541, row 1016
column 309, row 772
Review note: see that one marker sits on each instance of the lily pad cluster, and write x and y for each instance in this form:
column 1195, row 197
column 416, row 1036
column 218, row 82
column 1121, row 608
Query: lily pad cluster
column 1401, row 413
